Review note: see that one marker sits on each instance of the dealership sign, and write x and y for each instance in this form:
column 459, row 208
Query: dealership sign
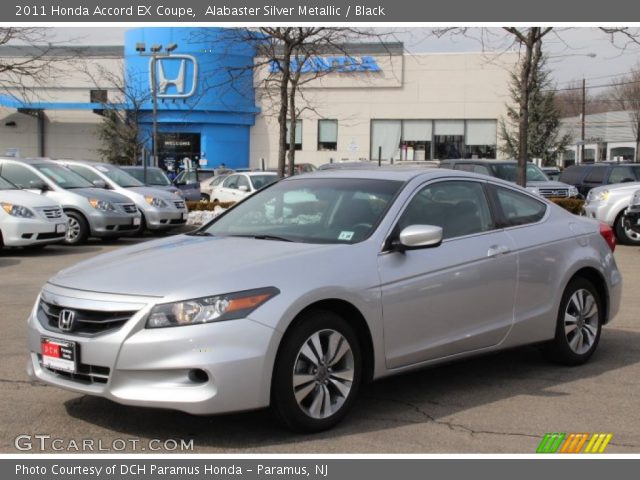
column 176, row 75
column 340, row 64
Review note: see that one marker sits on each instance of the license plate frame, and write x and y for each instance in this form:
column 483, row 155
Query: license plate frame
column 58, row 354
column 61, row 227
column 136, row 221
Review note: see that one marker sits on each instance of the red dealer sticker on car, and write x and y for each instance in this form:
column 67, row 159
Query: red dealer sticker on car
column 58, row 354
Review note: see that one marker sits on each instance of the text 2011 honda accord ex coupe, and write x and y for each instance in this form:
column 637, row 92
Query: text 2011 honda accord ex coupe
column 320, row 282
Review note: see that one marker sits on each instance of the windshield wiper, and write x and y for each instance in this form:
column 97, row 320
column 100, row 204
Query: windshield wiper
column 264, row 237
column 200, row 234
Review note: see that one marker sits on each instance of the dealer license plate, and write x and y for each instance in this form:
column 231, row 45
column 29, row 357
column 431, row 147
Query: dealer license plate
column 184, row 216
column 58, row 354
column 61, row 228
column 136, row 221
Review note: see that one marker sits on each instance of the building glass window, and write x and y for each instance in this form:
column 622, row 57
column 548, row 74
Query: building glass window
column 385, row 139
column 481, row 139
column 589, row 155
column 416, row 140
column 448, row 139
column 627, row 153
column 327, row 135
column 298, row 135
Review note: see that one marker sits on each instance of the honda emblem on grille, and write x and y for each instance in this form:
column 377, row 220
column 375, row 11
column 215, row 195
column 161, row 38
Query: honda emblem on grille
column 66, row 319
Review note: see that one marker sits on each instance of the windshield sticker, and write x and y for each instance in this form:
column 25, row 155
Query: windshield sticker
column 344, row 235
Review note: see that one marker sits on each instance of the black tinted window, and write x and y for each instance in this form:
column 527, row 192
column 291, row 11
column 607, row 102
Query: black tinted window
column 596, row 175
column 460, row 208
column 572, row 175
column 518, row 208
column 622, row 173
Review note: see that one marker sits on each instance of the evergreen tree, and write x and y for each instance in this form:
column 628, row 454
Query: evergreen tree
column 544, row 137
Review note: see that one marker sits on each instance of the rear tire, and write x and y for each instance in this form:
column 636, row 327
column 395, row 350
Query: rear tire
column 318, row 372
column 579, row 324
column 624, row 235
column 78, row 229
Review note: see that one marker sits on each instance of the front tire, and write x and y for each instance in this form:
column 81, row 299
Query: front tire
column 625, row 235
column 77, row 230
column 317, row 373
column 579, row 324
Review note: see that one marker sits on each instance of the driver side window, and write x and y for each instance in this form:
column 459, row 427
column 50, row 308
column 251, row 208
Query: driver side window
column 231, row 182
column 460, row 208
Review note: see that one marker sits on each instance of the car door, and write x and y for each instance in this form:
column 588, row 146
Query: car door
column 453, row 298
column 228, row 191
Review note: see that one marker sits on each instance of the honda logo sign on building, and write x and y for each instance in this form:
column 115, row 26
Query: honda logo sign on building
column 176, row 76
column 339, row 64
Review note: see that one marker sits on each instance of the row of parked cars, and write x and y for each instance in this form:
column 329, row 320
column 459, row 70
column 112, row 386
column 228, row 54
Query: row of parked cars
column 46, row 201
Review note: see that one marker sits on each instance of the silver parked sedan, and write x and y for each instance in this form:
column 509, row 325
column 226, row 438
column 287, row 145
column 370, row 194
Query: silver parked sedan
column 320, row 282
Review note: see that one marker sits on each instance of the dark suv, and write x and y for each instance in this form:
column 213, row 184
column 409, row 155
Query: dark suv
column 589, row 175
column 537, row 181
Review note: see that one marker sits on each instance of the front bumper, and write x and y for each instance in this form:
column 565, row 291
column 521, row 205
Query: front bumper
column 112, row 224
column 165, row 218
column 22, row 232
column 155, row 367
column 598, row 211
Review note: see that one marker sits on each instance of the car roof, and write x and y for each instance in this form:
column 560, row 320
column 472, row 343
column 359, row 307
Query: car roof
column 254, row 173
column 30, row 161
column 137, row 167
column 390, row 173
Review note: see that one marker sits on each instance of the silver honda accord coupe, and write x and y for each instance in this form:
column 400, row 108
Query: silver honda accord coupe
column 320, row 282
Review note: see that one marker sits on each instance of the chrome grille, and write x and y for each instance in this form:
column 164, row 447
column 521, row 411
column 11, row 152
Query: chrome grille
column 179, row 205
column 87, row 323
column 554, row 192
column 52, row 213
column 128, row 207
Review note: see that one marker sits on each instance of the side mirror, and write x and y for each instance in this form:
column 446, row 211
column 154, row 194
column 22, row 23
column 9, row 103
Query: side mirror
column 99, row 184
column 414, row 237
column 243, row 188
column 38, row 185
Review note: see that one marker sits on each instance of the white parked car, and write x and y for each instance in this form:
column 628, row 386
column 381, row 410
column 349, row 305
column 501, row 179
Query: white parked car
column 608, row 204
column 28, row 219
column 207, row 186
column 240, row 185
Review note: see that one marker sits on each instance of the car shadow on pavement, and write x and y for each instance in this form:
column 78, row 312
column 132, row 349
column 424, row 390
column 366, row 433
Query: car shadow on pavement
column 8, row 262
column 424, row 396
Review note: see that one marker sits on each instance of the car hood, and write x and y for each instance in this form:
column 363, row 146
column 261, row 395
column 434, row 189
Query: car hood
column 158, row 192
column 181, row 265
column 548, row 184
column 618, row 187
column 100, row 194
column 26, row 199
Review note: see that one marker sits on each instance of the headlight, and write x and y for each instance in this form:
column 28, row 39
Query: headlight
column 533, row 190
column 209, row 309
column 17, row 210
column 156, row 202
column 601, row 196
column 102, row 205
column 636, row 198
column 573, row 191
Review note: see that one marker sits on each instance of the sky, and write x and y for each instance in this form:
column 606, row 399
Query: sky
column 574, row 53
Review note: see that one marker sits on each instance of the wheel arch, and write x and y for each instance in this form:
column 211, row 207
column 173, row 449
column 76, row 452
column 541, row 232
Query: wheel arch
column 351, row 314
column 594, row 276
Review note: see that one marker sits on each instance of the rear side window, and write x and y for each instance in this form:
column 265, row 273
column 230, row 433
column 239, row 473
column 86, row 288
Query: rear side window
column 622, row 173
column 518, row 208
column 596, row 175
column 19, row 175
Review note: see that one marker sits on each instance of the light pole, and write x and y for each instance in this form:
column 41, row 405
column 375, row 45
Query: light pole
column 155, row 52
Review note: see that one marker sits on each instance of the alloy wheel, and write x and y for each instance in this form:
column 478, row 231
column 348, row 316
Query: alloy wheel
column 581, row 319
column 73, row 230
column 323, row 374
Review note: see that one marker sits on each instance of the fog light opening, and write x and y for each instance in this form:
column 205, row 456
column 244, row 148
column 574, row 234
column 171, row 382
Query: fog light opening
column 197, row 375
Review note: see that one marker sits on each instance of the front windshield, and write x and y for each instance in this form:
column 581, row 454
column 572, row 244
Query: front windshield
column 509, row 171
column 154, row 176
column 120, row 177
column 63, row 177
column 6, row 185
column 328, row 210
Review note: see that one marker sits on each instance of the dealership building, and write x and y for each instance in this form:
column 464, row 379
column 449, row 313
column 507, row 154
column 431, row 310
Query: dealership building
column 365, row 101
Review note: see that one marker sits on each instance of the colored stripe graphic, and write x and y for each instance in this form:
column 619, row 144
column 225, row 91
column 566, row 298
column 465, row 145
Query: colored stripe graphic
column 572, row 443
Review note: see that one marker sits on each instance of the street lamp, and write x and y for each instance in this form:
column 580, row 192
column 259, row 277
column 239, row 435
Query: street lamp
column 155, row 52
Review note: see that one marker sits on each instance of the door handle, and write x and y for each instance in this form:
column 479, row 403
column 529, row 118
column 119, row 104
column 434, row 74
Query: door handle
column 496, row 250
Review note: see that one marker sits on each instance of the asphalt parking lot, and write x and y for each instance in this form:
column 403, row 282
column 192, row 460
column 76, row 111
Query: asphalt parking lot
column 500, row 403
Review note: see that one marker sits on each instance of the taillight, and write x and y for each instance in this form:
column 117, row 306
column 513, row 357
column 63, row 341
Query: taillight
column 607, row 234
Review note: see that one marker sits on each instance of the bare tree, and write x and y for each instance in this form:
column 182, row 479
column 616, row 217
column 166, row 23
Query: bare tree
column 529, row 42
column 122, row 105
column 625, row 94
